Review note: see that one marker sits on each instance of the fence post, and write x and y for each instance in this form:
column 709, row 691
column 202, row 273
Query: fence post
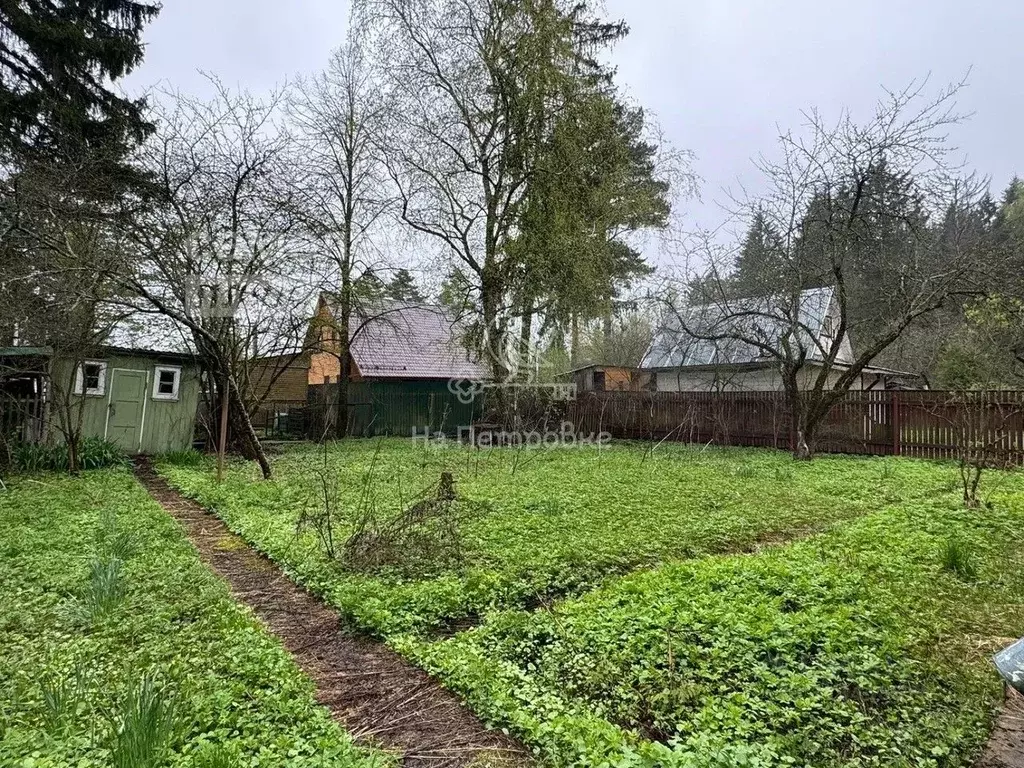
column 897, row 425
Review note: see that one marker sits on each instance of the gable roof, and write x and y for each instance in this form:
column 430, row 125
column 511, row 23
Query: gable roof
column 678, row 343
column 412, row 341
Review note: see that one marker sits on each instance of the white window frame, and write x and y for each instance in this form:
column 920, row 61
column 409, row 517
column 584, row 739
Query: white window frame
column 828, row 328
column 157, row 394
column 99, row 391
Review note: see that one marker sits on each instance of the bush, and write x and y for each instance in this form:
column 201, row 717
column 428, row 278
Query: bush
column 93, row 453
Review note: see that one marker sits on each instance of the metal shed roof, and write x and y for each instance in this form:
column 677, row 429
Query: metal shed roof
column 766, row 319
column 407, row 341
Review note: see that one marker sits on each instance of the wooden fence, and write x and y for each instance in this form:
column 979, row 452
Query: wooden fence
column 922, row 424
column 22, row 418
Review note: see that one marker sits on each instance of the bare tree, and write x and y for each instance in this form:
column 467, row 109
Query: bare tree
column 452, row 145
column 217, row 252
column 980, row 425
column 58, row 250
column 338, row 116
column 873, row 215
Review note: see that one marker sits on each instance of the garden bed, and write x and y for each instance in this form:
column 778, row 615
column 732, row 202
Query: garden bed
column 121, row 649
column 691, row 607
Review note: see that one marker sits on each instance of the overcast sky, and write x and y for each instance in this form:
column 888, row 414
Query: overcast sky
column 721, row 75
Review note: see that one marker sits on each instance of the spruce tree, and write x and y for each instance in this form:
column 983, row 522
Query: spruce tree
column 58, row 59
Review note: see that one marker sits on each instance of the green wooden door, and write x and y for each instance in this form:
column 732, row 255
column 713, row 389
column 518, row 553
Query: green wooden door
column 127, row 408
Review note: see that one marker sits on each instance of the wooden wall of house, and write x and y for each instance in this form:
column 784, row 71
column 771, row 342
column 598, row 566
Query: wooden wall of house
column 615, row 379
column 325, row 368
column 168, row 425
column 281, row 379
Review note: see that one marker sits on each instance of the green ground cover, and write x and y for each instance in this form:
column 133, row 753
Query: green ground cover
column 541, row 524
column 119, row 648
column 627, row 617
column 859, row 647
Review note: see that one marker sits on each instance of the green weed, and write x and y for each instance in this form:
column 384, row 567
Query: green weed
column 959, row 558
column 218, row 756
column 71, row 694
column 60, row 694
column 606, row 635
column 143, row 726
column 105, row 590
column 93, row 453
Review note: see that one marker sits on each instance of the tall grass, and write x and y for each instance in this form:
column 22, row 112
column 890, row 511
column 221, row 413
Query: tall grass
column 93, row 453
column 958, row 558
column 105, row 591
column 144, row 726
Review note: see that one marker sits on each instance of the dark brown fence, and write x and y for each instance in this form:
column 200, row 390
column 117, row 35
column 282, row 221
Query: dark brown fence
column 282, row 420
column 927, row 424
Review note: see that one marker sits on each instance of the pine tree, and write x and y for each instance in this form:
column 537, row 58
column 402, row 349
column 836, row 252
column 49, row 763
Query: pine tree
column 760, row 266
column 402, row 287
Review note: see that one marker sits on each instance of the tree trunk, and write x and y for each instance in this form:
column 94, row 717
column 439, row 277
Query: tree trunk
column 243, row 434
column 802, row 428
column 74, row 460
column 525, row 334
column 574, row 344
column 490, row 296
column 341, row 427
column 344, row 329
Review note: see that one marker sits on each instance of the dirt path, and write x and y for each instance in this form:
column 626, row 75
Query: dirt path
column 379, row 697
column 1006, row 747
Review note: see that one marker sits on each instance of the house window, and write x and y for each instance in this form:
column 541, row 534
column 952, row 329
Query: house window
column 91, row 378
column 166, row 381
column 828, row 328
column 599, row 381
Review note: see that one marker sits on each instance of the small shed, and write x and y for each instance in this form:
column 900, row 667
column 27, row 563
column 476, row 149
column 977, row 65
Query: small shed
column 612, row 378
column 145, row 401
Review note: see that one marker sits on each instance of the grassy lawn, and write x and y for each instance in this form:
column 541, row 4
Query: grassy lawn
column 119, row 648
column 627, row 616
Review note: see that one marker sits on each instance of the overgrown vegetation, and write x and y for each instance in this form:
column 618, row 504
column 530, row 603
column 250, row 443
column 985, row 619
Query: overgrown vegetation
column 533, row 526
column 93, row 453
column 857, row 647
column 121, row 649
column 862, row 642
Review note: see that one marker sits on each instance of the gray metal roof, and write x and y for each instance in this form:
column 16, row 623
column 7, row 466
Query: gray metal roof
column 413, row 342
column 682, row 340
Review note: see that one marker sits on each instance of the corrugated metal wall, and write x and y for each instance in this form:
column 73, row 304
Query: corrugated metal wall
column 397, row 408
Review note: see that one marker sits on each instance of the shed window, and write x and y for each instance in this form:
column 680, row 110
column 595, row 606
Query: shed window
column 599, row 381
column 91, row 378
column 166, row 382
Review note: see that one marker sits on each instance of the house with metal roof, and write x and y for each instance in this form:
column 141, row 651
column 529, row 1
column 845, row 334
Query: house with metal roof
column 403, row 359
column 394, row 341
column 725, row 346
